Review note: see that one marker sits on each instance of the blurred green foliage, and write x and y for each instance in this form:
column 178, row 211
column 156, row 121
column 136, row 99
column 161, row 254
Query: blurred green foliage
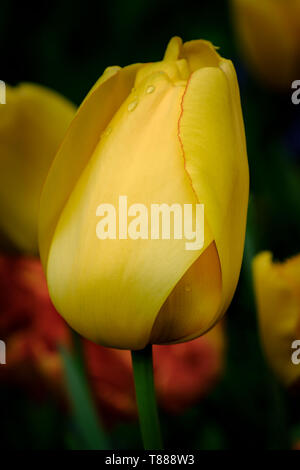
column 66, row 45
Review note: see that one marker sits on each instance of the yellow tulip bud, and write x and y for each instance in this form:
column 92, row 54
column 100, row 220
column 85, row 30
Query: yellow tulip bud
column 277, row 289
column 169, row 132
column 269, row 35
column 32, row 124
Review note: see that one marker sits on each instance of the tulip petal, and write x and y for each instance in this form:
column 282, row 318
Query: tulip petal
column 32, row 124
column 82, row 137
column 112, row 290
column 277, row 290
column 173, row 49
column 213, row 140
column 193, row 303
column 199, row 54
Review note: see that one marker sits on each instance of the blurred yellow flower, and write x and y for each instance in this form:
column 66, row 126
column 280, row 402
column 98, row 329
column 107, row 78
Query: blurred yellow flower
column 32, row 124
column 277, row 289
column 268, row 32
column 166, row 132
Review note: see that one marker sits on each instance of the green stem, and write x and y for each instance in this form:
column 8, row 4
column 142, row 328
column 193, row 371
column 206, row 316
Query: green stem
column 145, row 396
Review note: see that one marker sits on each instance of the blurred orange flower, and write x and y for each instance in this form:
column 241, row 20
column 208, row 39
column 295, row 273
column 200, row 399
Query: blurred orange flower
column 183, row 374
column 31, row 329
column 30, row 326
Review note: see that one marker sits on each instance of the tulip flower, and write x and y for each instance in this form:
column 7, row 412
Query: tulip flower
column 165, row 132
column 32, row 124
column 30, row 327
column 170, row 135
column 268, row 33
column 277, row 289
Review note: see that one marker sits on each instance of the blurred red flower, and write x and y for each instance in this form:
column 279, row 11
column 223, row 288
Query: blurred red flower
column 183, row 374
column 30, row 327
column 296, row 446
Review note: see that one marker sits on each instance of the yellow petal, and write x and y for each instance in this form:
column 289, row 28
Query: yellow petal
column 200, row 54
column 173, row 49
column 32, row 124
column 277, row 289
column 192, row 306
column 83, row 135
column 112, row 290
column 213, row 140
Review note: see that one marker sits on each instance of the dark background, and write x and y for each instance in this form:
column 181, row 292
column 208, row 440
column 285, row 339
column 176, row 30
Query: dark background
column 66, row 45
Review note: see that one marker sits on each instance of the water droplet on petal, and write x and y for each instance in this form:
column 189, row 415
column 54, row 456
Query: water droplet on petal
column 150, row 89
column 106, row 133
column 132, row 105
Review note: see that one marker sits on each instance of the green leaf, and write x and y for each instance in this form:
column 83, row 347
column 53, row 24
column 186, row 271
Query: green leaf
column 85, row 415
